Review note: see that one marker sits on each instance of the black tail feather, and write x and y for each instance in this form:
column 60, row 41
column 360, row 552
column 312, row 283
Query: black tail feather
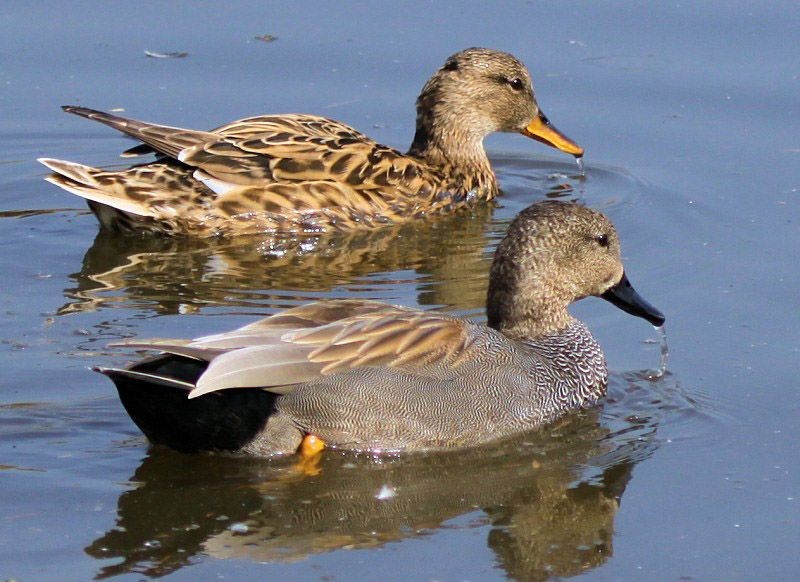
column 220, row 421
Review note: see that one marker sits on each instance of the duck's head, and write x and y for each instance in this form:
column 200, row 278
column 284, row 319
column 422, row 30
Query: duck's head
column 555, row 253
column 479, row 91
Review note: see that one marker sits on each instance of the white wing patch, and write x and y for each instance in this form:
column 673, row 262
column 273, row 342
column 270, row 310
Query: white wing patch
column 216, row 185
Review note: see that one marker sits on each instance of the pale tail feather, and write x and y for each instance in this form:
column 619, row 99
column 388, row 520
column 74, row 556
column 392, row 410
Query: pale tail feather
column 80, row 180
column 171, row 346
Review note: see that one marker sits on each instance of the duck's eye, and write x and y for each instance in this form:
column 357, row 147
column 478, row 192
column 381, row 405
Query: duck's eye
column 516, row 83
column 602, row 240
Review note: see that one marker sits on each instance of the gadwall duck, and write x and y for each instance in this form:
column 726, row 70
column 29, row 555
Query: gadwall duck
column 367, row 376
column 303, row 173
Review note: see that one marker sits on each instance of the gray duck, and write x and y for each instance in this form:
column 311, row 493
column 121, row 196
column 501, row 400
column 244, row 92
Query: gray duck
column 367, row 376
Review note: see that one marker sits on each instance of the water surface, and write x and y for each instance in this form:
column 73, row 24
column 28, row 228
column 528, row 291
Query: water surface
column 688, row 116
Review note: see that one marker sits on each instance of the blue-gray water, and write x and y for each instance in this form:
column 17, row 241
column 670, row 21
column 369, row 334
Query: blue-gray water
column 689, row 115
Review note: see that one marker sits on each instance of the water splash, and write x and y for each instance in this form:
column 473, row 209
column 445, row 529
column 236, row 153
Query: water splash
column 664, row 356
column 581, row 167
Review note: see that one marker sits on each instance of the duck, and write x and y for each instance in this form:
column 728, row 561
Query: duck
column 299, row 173
column 366, row 376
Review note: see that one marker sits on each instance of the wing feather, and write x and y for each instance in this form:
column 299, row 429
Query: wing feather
column 308, row 342
column 277, row 367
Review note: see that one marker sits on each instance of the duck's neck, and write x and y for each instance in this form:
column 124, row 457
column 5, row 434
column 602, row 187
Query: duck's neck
column 525, row 318
column 563, row 343
column 454, row 147
column 526, row 301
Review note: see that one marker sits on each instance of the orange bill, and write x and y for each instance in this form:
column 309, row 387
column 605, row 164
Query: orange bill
column 542, row 130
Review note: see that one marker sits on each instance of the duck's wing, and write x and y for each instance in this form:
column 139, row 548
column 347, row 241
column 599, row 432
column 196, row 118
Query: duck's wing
column 384, row 336
column 297, row 124
column 292, row 123
column 295, row 151
column 320, row 339
column 235, row 150
column 311, row 170
column 263, row 331
column 392, row 336
column 302, row 149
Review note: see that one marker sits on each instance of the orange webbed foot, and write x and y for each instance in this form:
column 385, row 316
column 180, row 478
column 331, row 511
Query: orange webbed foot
column 310, row 452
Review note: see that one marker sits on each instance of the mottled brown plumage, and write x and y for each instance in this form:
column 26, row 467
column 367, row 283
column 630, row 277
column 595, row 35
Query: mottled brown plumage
column 369, row 376
column 303, row 173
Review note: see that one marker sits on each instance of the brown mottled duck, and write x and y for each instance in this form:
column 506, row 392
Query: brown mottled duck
column 300, row 173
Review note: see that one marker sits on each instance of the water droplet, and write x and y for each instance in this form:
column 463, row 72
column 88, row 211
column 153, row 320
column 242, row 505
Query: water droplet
column 662, row 362
column 581, row 167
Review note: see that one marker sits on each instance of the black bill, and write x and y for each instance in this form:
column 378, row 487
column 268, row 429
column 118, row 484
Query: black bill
column 624, row 296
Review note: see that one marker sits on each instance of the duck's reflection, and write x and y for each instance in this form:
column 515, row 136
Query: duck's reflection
column 174, row 275
column 450, row 255
column 548, row 499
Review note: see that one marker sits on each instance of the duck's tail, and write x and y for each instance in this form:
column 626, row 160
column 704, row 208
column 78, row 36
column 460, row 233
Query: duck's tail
column 92, row 184
column 155, row 394
column 118, row 204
